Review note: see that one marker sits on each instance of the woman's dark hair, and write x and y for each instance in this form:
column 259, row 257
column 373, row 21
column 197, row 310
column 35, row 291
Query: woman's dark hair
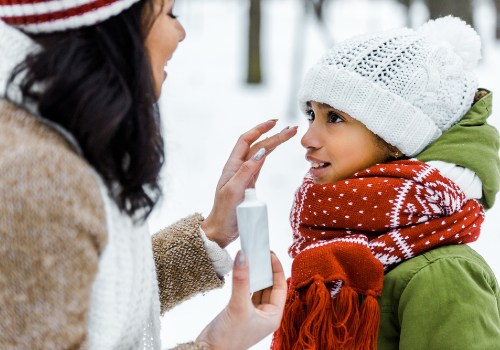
column 98, row 85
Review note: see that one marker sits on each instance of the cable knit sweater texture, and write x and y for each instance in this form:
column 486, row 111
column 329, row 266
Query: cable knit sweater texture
column 54, row 234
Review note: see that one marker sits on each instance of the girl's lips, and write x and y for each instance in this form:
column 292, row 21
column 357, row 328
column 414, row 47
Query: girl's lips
column 319, row 168
column 319, row 172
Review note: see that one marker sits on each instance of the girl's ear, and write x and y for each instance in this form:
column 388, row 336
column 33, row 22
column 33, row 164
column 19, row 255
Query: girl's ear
column 389, row 151
column 392, row 152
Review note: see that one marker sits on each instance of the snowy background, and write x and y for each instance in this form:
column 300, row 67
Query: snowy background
column 206, row 105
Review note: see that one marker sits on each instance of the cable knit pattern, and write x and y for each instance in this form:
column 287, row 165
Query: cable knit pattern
column 182, row 242
column 190, row 346
column 124, row 312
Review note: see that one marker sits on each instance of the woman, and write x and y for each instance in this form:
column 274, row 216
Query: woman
column 80, row 154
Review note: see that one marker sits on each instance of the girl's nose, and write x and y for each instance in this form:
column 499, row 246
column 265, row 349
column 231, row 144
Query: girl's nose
column 311, row 138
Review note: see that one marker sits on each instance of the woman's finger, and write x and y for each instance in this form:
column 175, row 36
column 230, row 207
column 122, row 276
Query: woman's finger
column 243, row 144
column 240, row 296
column 247, row 172
column 244, row 150
column 277, row 296
column 265, row 295
column 274, row 141
column 257, row 298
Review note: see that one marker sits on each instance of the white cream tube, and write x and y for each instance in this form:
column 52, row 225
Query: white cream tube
column 254, row 238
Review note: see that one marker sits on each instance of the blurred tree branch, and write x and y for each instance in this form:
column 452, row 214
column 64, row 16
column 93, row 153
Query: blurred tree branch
column 497, row 5
column 459, row 8
column 439, row 8
column 254, row 66
column 407, row 4
column 317, row 6
column 254, row 72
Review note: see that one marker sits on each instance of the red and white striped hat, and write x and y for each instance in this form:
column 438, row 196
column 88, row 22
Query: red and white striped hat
column 46, row 16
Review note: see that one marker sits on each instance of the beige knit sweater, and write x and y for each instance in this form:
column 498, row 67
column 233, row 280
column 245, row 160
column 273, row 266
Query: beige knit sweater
column 53, row 230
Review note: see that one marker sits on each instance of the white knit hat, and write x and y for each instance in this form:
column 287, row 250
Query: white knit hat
column 407, row 86
column 46, row 16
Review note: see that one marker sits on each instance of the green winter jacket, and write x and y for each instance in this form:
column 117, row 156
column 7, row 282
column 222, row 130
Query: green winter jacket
column 444, row 299
column 448, row 298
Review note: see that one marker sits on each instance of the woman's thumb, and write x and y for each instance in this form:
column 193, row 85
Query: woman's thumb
column 240, row 296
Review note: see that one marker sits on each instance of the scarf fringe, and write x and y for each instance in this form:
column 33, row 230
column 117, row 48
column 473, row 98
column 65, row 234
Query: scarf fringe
column 314, row 321
column 368, row 329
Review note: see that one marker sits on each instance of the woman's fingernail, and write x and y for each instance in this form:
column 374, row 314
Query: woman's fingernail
column 272, row 120
column 240, row 258
column 260, row 153
column 285, row 129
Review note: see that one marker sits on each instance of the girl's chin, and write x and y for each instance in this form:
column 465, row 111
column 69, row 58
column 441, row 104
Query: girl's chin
column 324, row 176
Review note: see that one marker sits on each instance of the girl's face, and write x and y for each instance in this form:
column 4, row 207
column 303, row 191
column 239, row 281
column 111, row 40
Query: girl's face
column 338, row 145
column 162, row 39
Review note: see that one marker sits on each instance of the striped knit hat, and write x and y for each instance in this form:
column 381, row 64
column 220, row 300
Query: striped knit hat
column 46, row 16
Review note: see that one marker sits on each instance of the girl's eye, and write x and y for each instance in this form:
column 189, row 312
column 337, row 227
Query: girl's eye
column 334, row 118
column 310, row 115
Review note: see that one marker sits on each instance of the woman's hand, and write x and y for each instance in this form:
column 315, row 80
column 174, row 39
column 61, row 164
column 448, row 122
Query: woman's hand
column 247, row 320
column 240, row 172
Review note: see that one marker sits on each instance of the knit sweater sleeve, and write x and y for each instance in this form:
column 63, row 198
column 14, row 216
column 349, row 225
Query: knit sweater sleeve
column 183, row 266
column 189, row 346
column 53, row 230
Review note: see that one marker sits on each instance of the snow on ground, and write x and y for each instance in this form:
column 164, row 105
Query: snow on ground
column 206, row 106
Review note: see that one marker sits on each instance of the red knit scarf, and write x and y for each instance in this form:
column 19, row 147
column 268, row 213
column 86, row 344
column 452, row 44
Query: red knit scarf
column 345, row 234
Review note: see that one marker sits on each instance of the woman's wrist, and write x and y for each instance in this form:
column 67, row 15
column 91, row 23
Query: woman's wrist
column 211, row 232
column 208, row 230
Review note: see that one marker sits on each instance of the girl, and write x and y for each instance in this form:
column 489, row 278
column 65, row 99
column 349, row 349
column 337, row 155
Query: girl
column 80, row 156
column 403, row 165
